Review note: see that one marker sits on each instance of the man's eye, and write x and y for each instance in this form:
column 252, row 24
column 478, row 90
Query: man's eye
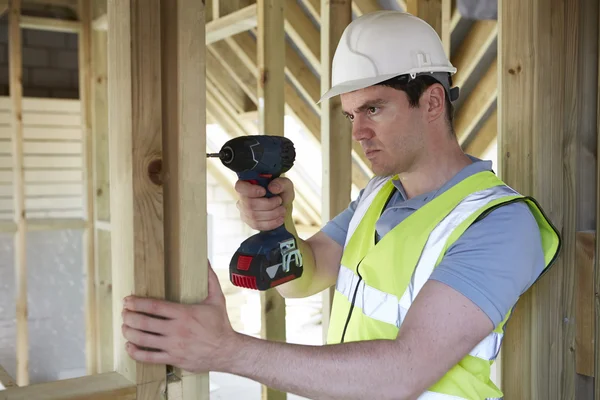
column 373, row 110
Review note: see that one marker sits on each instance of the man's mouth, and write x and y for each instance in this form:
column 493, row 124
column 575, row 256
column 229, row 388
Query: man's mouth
column 370, row 152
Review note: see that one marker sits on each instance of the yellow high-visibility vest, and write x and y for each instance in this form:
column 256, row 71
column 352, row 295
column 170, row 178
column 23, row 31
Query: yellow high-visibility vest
column 378, row 282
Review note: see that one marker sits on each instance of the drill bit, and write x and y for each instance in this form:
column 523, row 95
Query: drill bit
column 209, row 155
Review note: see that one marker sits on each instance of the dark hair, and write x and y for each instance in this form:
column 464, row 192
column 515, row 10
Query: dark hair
column 414, row 88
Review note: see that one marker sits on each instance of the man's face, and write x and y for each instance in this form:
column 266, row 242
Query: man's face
column 388, row 129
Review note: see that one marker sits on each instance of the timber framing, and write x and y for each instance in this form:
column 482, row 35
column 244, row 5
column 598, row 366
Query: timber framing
column 245, row 65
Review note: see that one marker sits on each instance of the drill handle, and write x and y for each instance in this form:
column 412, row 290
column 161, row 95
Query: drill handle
column 256, row 178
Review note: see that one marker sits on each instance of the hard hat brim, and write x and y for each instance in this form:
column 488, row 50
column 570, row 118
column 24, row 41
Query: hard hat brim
column 352, row 86
column 358, row 84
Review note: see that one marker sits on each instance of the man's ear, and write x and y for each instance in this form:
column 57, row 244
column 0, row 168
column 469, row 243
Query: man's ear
column 435, row 102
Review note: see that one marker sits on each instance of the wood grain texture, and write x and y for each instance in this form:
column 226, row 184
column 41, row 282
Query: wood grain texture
column 336, row 130
column 184, row 139
column 109, row 386
column 15, row 70
column 585, row 330
column 538, row 158
column 89, row 248
column 135, row 129
column 271, row 112
column 103, row 278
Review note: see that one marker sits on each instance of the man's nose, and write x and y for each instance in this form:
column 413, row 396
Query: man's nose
column 361, row 130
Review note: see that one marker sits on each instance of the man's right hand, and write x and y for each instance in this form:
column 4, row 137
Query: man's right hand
column 261, row 213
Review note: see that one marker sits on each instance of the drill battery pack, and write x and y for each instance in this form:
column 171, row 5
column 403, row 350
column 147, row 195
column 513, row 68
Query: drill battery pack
column 266, row 260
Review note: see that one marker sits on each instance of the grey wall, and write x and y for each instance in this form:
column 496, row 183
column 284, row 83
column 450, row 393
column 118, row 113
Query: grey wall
column 50, row 66
column 54, row 259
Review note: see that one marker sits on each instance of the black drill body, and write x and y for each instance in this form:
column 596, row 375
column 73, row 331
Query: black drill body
column 268, row 258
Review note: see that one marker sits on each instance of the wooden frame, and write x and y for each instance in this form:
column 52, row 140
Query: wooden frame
column 146, row 146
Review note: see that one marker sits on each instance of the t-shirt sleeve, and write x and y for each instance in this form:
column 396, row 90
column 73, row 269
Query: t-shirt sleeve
column 495, row 260
column 337, row 228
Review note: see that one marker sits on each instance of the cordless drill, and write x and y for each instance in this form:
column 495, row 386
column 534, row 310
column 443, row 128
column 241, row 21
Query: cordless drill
column 268, row 258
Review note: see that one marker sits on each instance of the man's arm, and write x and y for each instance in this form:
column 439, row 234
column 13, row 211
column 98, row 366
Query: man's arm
column 321, row 254
column 441, row 327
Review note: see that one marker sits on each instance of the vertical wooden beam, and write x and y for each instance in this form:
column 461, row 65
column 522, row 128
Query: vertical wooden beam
column 184, row 141
column 89, row 265
column 438, row 14
column 104, row 335
column 336, row 130
column 271, row 113
column 15, row 65
column 135, row 129
column 539, row 129
column 597, row 244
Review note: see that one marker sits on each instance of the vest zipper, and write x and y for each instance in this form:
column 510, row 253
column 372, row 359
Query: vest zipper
column 352, row 304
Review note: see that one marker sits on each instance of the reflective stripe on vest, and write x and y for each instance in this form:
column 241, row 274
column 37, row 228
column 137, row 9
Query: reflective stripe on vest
column 385, row 307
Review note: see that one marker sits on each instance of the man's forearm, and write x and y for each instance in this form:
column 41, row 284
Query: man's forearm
column 378, row 369
column 299, row 287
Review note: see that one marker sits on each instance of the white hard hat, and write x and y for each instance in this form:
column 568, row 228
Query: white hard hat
column 384, row 44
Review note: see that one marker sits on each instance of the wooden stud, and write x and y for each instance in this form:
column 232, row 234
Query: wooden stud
column 437, row 13
column 597, row 214
column 184, row 164
column 231, row 24
column 16, row 94
column 135, row 126
column 584, row 316
column 103, row 279
column 537, row 156
column 271, row 112
column 336, row 130
column 85, row 97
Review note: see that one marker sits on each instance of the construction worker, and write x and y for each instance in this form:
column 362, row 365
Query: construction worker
column 428, row 262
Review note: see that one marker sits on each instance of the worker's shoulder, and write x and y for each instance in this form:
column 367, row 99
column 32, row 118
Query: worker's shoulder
column 510, row 227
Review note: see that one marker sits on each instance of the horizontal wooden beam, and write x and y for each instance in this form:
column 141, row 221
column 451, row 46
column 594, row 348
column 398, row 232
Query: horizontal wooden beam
column 107, row 386
column 50, row 24
column 231, row 24
column 218, row 29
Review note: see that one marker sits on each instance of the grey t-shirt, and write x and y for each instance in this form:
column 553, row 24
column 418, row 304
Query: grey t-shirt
column 492, row 263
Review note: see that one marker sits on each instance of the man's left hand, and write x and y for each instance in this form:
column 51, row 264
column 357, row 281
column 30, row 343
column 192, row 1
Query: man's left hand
column 196, row 338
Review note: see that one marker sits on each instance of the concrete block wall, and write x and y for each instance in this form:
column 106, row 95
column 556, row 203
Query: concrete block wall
column 50, row 63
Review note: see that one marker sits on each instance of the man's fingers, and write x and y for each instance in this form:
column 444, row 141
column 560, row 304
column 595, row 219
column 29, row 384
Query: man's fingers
column 249, row 190
column 143, row 339
column 283, row 187
column 154, row 307
column 145, row 323
column 155, row 357
column 262, row 204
